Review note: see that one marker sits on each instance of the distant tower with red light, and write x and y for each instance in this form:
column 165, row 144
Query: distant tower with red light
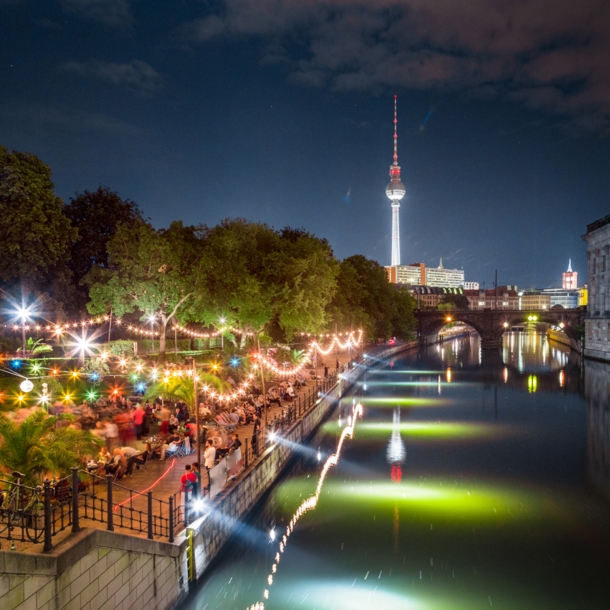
column 569, row 278
column 395, row 192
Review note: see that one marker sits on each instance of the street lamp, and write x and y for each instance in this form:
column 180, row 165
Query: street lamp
column 24, row 314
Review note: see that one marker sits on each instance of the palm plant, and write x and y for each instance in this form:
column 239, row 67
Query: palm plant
column 299, row 356
column 37, row 447
column 36, row 347
column 182, row 387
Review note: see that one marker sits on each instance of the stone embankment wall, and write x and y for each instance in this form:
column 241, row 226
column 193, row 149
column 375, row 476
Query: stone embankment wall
column 238, row 498
column 101, row 570
column 96, row 570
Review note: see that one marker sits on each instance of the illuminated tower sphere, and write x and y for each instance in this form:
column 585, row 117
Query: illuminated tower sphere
column 395, row 192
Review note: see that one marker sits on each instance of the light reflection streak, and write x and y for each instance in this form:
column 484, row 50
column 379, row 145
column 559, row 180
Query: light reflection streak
column 311, row 502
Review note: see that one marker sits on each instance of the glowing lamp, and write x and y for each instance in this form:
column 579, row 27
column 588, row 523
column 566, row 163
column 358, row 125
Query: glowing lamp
column 26, row 386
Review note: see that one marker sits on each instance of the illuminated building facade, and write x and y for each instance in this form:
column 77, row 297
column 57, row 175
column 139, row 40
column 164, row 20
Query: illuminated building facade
column 478, row 300
column 597, row 322
column 569, row 279
column 568, row 299
column 417, row 274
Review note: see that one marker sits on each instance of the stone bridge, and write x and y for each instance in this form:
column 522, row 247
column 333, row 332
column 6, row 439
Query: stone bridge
column 492, row 324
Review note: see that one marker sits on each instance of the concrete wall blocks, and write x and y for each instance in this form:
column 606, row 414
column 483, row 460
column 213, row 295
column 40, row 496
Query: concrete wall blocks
column 96, row 570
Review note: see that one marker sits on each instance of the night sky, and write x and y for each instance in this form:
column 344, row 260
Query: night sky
column 281, row 111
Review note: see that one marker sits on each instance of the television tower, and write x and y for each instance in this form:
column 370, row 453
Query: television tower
column 395, row 192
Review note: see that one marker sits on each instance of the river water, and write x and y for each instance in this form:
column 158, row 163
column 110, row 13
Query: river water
column 470, row 482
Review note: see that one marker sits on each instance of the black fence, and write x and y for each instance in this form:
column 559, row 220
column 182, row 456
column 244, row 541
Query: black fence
column 38, row 514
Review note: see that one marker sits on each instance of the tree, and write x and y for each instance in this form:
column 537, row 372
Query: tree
column 36, row 447
column 97, row 215
column 459, row 301
column 35, row 233
column 403, row 320
column 153, row 272
column 365, row 298
column 258, row 278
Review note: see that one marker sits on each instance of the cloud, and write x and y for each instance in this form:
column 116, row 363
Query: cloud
column 115, row 13
column 73, row 120
column 552, row 55
column 135, row 75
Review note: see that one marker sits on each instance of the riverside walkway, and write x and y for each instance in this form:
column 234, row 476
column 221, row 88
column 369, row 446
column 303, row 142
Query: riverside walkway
column 130, row 495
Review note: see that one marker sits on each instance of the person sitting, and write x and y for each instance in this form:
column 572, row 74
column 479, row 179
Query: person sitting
column 131, row 457
column 115, row 466
column 226, row 448
column 170, row 446
column 174, row 423
column 236, row 443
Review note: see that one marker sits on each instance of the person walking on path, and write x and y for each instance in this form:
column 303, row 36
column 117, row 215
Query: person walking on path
column 138, row 421
column 187, row 482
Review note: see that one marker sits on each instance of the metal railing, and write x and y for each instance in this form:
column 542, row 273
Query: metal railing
column 38, row 514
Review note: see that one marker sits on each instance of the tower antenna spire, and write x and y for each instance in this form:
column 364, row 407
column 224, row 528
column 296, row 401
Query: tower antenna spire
column 395, row 132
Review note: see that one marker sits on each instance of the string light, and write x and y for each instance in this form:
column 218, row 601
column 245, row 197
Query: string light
column 311, row 502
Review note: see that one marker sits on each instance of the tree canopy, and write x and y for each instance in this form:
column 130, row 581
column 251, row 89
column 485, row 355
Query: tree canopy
column 366, row 299
column 152, row 272
column 35, row 233
column 97, row 216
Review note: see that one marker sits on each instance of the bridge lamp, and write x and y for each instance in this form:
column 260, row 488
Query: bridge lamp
column 448, row 318
column 505, row 324
column 561, row 325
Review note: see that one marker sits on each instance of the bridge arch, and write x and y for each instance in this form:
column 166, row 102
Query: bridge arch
column 492, row 324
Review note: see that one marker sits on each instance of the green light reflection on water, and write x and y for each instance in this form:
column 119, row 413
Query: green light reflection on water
column 414, row 383
column 442, row 500
column 393, row 401
column 420, row 429
column 425, row 429
column 411, row 372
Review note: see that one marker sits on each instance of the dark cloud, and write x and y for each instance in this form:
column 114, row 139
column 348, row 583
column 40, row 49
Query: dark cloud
column 115, row 13
column 32, row 117
column 548, row 54
column 135, row 75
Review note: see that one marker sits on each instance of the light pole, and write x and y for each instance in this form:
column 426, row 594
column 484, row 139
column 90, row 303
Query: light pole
column 197, row 416
column 151, row 319
column 260, row 361
column 24, row 314
column 222, row 337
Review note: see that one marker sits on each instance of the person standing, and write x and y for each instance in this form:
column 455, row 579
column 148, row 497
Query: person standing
column 138, row 421
column 209, row 455
column 187, row 481
column 256, row 433
column 197, row 485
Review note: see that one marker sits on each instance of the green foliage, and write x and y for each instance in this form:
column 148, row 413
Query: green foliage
column 35, row 233
column 183, row 388
column 298, row 356
column 153, row 272
column 366, row 299
column 36, row 447
column 96, row 365
column 54, row 388
column 97, row 215
column 459, row 301
column 257, row 278
column 35, row 347
column 120, row 347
